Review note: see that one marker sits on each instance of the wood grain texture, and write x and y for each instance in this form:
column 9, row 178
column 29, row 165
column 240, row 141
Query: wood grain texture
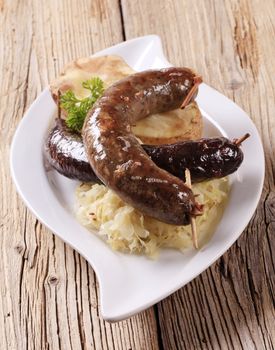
column 49, row 294
column 230, row 305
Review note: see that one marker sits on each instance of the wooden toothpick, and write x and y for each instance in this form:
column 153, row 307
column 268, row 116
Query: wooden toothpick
column 241, row 139
column 197, row 82
column 192, row 219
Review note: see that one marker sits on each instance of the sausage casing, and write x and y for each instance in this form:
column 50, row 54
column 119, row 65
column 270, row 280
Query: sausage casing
column 116, row 156
column 206, row 158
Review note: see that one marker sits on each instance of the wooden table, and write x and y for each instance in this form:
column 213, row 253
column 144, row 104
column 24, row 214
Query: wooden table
column 49, row 294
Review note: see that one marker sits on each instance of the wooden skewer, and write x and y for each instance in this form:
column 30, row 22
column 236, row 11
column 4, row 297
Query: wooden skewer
column 193, row 220
column 197, row 82
column 241, row 139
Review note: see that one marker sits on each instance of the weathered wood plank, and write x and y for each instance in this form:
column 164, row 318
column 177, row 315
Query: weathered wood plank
column 231, row 305
column 49, row 295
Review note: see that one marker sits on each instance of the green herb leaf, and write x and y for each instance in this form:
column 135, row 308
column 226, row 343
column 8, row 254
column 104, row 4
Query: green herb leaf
column 76, row 108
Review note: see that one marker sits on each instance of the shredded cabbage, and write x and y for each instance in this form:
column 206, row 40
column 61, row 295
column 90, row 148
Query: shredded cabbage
column 128, row 230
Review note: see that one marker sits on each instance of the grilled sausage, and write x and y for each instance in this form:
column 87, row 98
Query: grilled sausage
column 205, row 158
column 65, row 151
column 118, row 159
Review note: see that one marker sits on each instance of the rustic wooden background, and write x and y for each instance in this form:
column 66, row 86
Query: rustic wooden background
column 49, row 294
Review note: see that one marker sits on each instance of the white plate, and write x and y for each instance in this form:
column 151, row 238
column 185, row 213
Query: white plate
column 129, row 284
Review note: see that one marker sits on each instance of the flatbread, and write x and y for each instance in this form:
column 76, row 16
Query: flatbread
column 109, row 68
column 168, row 127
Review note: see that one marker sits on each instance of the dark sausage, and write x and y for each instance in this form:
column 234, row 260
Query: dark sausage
column 64, row 149
column 118, row 159
column 205, row 158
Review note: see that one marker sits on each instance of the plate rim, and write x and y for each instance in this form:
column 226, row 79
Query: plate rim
column 107, row 315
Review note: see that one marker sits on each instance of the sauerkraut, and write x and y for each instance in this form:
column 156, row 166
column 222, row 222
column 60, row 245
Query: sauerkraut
column 128, row 230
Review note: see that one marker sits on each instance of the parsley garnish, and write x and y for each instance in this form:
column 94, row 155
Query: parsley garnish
column 76, row 108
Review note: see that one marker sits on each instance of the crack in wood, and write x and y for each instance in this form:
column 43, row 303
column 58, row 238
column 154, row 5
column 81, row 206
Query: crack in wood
column 22, row 269
column 245, row 36
column 122, row 20
column 66, row 295
column 90, row 303
column 159, row 336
